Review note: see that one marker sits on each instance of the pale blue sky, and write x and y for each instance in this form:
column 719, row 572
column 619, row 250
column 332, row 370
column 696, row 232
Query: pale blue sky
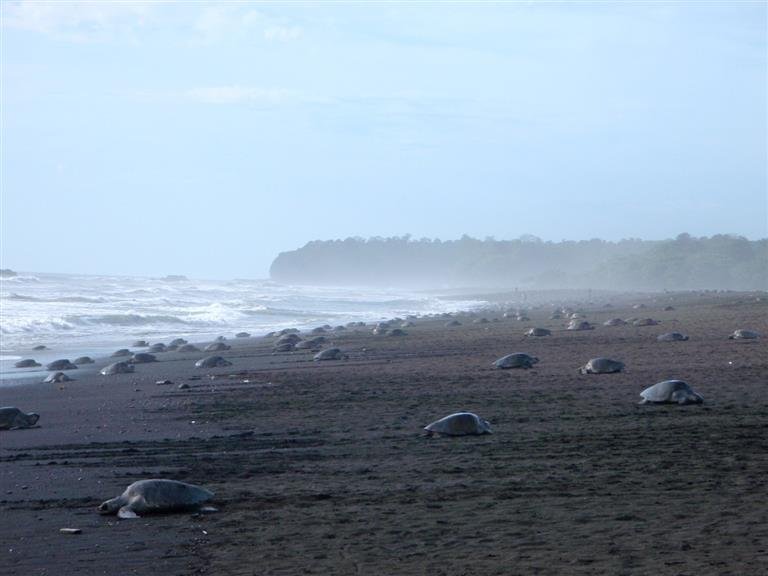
column 203, row 139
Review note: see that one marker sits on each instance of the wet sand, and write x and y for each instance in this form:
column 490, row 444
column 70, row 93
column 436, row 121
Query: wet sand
column 322, row 468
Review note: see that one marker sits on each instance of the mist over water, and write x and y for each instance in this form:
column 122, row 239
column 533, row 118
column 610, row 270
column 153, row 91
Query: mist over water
column 89, row 312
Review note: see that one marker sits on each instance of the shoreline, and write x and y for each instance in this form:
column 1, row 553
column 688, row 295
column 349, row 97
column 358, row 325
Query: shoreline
column 323, row 466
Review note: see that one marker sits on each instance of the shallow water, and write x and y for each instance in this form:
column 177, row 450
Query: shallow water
column 77, row 314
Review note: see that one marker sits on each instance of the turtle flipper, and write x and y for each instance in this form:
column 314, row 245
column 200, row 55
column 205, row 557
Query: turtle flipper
column 126, row 513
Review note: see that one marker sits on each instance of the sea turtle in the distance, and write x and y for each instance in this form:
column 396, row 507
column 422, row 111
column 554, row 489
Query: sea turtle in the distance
column 668, row 308
column 481, row 321
column 141, row 344
column 319, row 330
column 217, row 347
column 60, row 365
column 123, row 352
column 329, row 354
column 742, row 334
column 157, row 495
column 459, row 424
column 311, row 344
column 615, row 322
column 284, row 347
column 290, row 338
column 157, row 348
column 670, row 392
column 397, row 332
column 645, row 322
column 516, row 360
column 178, row 342
column 538, row 332
column 578, row 325
column 602, row 366
column 212, row 362
column 57, row 378
column 27, row 363
column 672, row 337
column 452, row 323
column 242, row 335
column 11, row 417
column 117, row 368
column 142, row 358
column 83, row 360
column 40, row 347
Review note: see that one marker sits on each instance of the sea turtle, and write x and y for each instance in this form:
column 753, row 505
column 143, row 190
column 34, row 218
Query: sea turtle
column 140, row 344
column 744, row 335
column 452, row 323
column 481, row 321
column 668, row 308
column 60, row 365
column 117, row 368
column 538, row 332
column 672, row 337
column 212, row 362
column 220, row 339
column 56, row 378
column 516, row 360
column 157, row 495
column 290, row 338
column 602, row 366
column 121, row 353
column 142, row 358
column 284, row 347
column 216, row 347
column 645, row 322
column 178, row 342
column 188, row 348
column 242, row 335
column 319, row 330
column 311, row 343
column 28, row 363
column 285, row 331
column 40, row 347
column 670, row 391
column 397, row 332
column 459, row 424
column 339, row 328
column 615, row 322
column 83, row 360
column 11, row 417
column 171, row 347
column 157, row 348
column 579, row 325
column 329, row 354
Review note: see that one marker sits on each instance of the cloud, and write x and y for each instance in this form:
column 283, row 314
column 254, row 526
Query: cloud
column 216, row 23
column 76, row 21
column 283, row 33
column 235, row 94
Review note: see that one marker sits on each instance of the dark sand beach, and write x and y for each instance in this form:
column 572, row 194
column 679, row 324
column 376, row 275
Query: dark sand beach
column 322, row 467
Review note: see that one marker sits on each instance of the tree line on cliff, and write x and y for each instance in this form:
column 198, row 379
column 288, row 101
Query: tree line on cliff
column 684, row 263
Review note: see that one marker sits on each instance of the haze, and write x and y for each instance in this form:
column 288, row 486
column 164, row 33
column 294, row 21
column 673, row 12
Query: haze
column 154, row 139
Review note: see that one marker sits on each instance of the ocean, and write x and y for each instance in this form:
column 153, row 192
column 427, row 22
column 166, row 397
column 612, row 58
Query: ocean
column 74, row 314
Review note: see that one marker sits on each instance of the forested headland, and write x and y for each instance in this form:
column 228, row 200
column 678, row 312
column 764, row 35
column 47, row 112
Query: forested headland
column 683, row 263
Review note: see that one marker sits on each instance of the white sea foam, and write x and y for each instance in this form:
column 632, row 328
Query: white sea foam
column 87, row 312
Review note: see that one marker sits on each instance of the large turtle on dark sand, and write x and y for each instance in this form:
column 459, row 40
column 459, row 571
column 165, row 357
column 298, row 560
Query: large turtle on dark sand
column 60, row 365
column 290, row 338
column 212, row 362
column 142, row 358
column 516, row 360
column 744, row 335
column 284, row 347
column 538, row 332
column 57, row 378
column 329, row 354
column 672, row 337
column 217, row 347
column 123, row 352
column 178, row 342
column 670, row 392
column 645, row 322
column 157, row 495
column 602, row 366
column 140, row 344
column 459, row 424
column 40, row 347
column 117, row 368
column 242, row 335
column 11, row 417
column 615, row 322
column 83, row 360
column 578, row 325
column 157, row 348
column 28, row 363
column 311, row 343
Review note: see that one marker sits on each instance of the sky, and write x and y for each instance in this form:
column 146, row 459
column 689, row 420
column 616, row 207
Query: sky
column 145, row 138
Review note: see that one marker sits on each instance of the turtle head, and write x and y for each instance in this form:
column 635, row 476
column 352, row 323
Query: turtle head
column 32, row 418
column 111, row 506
